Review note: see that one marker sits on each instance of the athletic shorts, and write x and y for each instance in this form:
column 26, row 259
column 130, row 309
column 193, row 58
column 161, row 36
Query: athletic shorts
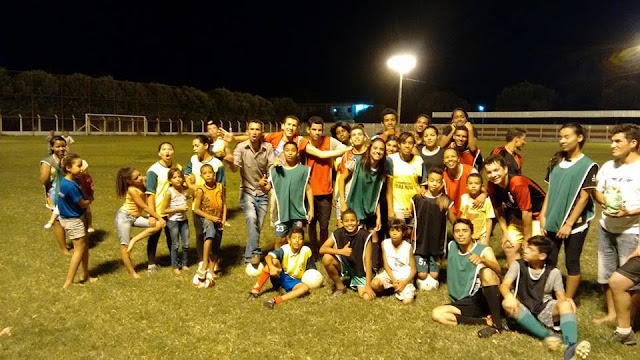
column 282, row 229
column 409, row 291
column 425, row 264
column 473, row 306
column 516, row 230
column 284, row 281
column 631, row 269
column 74, row 227
column 347, row 270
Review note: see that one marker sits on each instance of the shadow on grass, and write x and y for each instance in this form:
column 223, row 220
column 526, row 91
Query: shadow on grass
column 106, row 267
column 96, row 237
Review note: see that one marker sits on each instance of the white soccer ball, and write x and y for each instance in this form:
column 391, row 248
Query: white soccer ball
column 312, row 278
column 252, row 270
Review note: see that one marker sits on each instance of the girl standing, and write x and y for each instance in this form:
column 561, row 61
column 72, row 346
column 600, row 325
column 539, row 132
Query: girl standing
column 130, row 185
column 175, row 206
column 568, row 206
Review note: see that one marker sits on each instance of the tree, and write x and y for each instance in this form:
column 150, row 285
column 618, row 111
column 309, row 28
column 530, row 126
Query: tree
column 526, row 96
column 621, row 95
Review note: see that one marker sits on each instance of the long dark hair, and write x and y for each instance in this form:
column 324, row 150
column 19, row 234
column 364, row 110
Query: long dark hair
column 578, row 130
column 122, row 181
column 381, row 168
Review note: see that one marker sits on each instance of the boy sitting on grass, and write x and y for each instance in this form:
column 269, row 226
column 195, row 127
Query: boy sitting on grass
column 348, row 252
column 532, row 305
column 399, row 264
column 285, row 267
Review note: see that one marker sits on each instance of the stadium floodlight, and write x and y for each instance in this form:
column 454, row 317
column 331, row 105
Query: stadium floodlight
column 401, row 64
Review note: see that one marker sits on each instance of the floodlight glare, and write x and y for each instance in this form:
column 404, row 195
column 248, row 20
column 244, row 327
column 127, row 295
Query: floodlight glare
column 402, row 63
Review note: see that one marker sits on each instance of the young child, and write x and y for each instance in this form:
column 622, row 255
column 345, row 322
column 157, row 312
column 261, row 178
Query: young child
column 210, row 206
column 290, row 183
column 72, row 207
column 174, row 204
column 347, row 252
column 532, row 305
column 431, row 211
column 285, row 267
column 130, row 186
column 482, row 218
column 399, row 265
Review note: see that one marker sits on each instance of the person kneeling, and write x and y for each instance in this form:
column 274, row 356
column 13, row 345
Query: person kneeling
column 471, row 267
column 347, row 252
column 399, row 265
column 531, row 304
column 285, row 267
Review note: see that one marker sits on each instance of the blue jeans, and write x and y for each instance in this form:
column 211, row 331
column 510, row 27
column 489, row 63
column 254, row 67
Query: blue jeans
column 178, row 230
column 255, row 209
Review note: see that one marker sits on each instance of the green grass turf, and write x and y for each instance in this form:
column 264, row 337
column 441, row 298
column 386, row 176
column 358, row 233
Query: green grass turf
column 163, row 316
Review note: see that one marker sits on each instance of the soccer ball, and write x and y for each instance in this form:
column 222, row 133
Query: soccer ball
column 312, row 278
column 252, row 270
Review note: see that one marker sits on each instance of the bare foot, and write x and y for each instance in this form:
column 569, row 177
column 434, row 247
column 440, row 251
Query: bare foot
column 5, row 331
column 605, row 319
column 176, row 271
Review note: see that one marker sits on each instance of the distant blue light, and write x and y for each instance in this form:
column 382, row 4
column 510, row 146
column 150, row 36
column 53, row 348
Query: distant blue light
column 481, row 108
column 360, row 107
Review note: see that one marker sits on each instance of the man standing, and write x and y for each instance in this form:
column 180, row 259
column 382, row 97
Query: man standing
column 321, row 177
column 253, row 157
column 517, row 201
column 618, row 191
column 516, row 140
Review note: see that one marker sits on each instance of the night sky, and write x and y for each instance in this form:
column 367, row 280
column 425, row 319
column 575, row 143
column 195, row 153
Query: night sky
column 325, row 51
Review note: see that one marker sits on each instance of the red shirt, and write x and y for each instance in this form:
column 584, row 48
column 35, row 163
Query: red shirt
column 455, row 188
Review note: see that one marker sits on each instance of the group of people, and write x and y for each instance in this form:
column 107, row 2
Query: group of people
column 394, row 194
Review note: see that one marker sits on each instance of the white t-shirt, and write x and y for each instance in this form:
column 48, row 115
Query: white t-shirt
column 620, row 183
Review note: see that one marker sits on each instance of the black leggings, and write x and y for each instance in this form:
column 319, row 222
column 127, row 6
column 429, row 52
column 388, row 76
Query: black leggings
column 572, row 250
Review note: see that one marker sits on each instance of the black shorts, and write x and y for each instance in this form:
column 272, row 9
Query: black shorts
column 473, row 306
column 631, row 269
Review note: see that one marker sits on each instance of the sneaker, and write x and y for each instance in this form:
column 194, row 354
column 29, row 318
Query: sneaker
column 578, row 351
column 270, row 304
column 152, row 269
column 338, row 292
column 47, row 226
column 629, row 339
column 255, row 260
column 487, row 332
column 91, row 230
column 553, row 343
column 252, row 295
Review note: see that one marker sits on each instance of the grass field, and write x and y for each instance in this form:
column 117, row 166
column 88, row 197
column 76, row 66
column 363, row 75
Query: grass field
column 163, row 316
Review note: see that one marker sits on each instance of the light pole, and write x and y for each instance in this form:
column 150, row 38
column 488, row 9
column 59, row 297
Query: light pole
column 401, row 64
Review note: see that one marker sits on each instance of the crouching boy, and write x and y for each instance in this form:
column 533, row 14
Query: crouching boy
column 399, row 264
column 347, row 252
column 285, row 267
column 531, row 303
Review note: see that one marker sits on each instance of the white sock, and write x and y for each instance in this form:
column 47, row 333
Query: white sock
column 623, row 331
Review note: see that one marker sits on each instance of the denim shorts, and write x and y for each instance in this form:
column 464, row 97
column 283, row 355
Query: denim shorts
column 124, row 222
column 613, row 250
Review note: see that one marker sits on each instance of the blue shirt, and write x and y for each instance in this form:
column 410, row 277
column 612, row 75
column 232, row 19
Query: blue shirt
column 68, row 196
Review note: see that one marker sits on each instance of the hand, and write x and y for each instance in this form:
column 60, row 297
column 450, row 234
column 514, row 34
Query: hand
column 511, row 305
column 346, row 250
column 475, row 259
column 310, row 215
column 226, row 136
column 274, row 271
column 263, row 181
column 479, row 201
column 152, row 221
column 564, row 231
